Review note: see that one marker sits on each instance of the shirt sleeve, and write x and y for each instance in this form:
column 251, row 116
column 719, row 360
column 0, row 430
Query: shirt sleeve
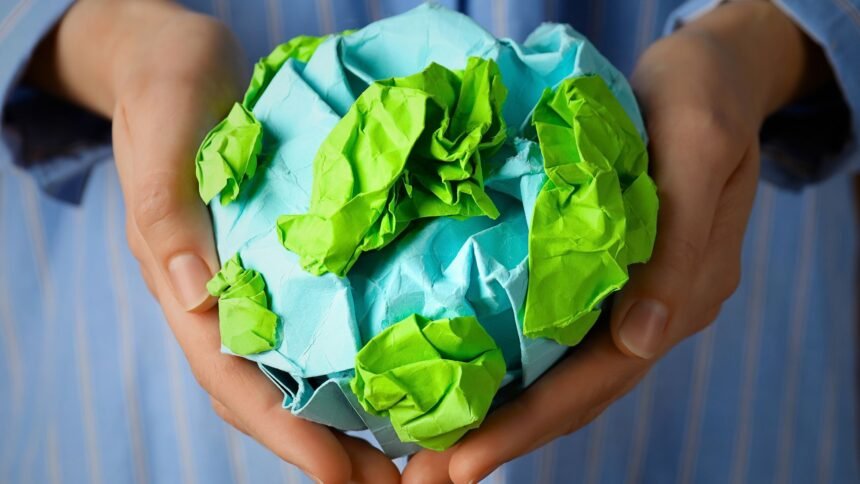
column 815, row 137
column 54, row 142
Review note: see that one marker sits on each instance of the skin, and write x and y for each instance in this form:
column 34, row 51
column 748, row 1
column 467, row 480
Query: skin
column 165, row 76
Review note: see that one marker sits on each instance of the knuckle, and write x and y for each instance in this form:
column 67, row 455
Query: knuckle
column 712, row 137
column 154, row 203
column 710, row 122
column 682, row 259
column 715, row 133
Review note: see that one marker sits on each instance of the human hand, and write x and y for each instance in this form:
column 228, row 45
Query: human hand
column 166, row 76
column 704, row 92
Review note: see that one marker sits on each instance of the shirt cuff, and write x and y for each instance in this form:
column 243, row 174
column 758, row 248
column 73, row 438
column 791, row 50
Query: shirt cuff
column 815, row 137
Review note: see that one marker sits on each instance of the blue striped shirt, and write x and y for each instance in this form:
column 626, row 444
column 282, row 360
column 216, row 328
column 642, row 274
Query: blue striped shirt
column 93, row 387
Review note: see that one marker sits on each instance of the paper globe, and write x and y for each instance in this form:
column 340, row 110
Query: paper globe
column 416, row 215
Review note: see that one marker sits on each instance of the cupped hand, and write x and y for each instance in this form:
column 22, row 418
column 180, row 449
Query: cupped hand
column 704, row 93
column 166, row 76
column 182, row 83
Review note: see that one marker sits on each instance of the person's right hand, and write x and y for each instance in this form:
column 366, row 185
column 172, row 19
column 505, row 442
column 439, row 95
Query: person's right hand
column 166, row 76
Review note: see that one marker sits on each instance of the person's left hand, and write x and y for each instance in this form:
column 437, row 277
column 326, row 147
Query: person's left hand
column 704, row 93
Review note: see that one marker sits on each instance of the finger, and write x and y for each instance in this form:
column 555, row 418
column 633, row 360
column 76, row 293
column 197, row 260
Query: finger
column 245, row 398
column 253, row 403
column 369, row 465
column 429, row 467
column 716, row 275
column 567, row 397
column 690, row 180
column 154, row 151
column 255, row 406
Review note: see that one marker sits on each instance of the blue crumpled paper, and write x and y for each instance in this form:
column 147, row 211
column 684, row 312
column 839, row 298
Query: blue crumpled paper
column 450, row 267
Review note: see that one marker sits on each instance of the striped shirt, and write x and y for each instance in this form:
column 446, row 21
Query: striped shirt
column 93, row 387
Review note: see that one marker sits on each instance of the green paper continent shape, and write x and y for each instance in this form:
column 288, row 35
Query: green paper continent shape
column 595, row 215
column 300, row 48
column 228, row 155
column 409, row 148
column 434, row 380
column 246, row 323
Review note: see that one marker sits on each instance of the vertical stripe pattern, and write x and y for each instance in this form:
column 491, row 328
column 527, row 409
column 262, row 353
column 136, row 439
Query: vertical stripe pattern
column 641, row 429
column 237, row 458
column 82, row 354
column 47, row 296
column 180, row 412
column 797, row 329
column 594, row 459
column 95, row 390
column 11, row 352
column 752, row 340
column 125, row 322
column 699, row 390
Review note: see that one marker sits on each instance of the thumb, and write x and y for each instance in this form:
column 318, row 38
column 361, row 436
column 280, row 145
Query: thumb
column 156, row 169
column 645, row 314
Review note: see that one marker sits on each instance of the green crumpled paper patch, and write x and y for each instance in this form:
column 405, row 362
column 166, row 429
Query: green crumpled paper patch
column 246, row 323
column 595, row 215
column 434, row 380
column 228, row 155
column 409, row 148
column 300, row 48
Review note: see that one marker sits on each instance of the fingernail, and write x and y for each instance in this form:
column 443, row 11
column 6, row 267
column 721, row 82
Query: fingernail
column 189, row 275
column 642, row 329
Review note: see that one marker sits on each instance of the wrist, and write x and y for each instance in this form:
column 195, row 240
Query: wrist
column 774, row 58
column 105, row 52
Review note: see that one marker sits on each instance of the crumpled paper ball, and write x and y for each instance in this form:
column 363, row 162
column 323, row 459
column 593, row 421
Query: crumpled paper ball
column 416, row 218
